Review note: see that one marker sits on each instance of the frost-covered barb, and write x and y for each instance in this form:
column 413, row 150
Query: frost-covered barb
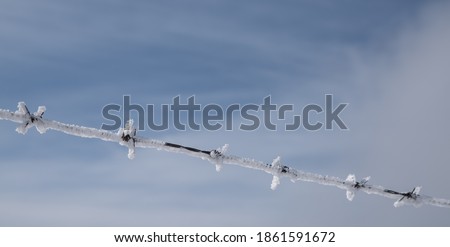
column 127, row 137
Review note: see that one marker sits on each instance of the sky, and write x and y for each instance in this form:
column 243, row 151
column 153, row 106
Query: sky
column 388, row 60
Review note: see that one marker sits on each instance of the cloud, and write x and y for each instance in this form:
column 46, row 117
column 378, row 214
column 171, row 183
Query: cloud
column 409, row 114
column 389, row 65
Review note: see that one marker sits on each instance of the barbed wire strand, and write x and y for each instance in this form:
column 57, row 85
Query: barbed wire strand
column 127, row 137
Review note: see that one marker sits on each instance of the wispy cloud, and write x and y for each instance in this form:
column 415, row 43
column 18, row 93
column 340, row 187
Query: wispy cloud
column 76, row 57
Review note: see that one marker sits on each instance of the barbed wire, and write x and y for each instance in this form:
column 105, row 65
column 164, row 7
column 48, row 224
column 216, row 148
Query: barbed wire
column 127, row 137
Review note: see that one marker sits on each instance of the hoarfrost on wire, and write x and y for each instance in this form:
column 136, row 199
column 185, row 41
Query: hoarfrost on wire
column 127, row 137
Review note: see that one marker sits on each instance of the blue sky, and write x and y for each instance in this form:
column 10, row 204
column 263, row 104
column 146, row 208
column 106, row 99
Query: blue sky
column 387, row 59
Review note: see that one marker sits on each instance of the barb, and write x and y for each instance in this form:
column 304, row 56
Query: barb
column 127, row 137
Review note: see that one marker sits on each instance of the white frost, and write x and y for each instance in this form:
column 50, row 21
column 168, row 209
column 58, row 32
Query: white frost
column 127, row 137
column 275, row 182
